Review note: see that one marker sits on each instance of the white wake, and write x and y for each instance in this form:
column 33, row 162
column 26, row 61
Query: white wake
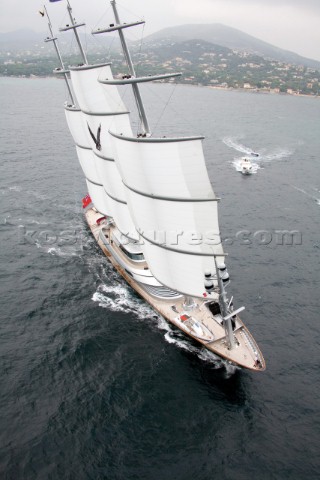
column 257, row 157
column 118, row 298
column 314, row 196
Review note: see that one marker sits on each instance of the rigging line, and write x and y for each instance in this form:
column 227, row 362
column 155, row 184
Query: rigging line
column 59, row 34
column 130, row 11
column 63, row 18
column 142, row 37
column 101, row 18
column 110, row 46
column 119, row 102
column 177, row 112
column 125, row 92
column 130, row 32
column 165, row 107
column 140, row 47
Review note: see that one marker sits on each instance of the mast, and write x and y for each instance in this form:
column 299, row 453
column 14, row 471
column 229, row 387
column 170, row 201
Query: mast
column 224, row 308
column 226, row 319
column 131, row 79
column 135, row 88
column 76, row 33
column 74, row 27
column 54, row 40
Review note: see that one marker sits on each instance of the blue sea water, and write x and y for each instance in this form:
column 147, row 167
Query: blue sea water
column 94, row 384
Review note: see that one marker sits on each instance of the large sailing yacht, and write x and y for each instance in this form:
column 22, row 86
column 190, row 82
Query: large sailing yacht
column 150, row 204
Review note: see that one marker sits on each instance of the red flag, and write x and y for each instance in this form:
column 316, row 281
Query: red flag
column 86, row 201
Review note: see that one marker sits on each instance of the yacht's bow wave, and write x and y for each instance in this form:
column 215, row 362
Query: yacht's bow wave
column 203, row 354
column 118, row 298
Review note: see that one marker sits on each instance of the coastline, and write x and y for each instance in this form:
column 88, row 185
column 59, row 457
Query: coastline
column 213, row 87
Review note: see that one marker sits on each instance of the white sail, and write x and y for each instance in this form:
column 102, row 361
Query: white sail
column 180, row 272
column 99, row 198
column 111, row 178
column 173, row 207
column 114, row 188
column 88, row 164
column 95, row 186
column 102, row 109
column 77, row 126
column 107, row 202
column 158, row 187
column 92, row 96
column 162, row 167
column 180, row 240
column 123, row 219
column 97, row 128
column 184, row 226
column 87, row 159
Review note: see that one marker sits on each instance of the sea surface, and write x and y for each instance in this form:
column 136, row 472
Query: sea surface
column 94, row 384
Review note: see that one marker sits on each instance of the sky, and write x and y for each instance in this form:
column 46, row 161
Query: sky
column 290, row 24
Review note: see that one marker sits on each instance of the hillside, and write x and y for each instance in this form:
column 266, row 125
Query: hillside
column 21, row 42
column 204, row 63
column 231, row 38
column 200, row 62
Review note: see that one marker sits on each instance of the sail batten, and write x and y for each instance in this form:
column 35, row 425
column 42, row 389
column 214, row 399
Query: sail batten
column 71, row 27
column 114, row 28
column 128, row 80
column 77, row 68
column 172, row 199
column 181, row 251
column 142, row 139
column 94, row 183
column 104, row 114
column 181, row 226
column 115, row 199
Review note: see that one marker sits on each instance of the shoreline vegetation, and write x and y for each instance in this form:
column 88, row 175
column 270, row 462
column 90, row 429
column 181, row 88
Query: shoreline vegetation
column 199, row 62
column 212, row 87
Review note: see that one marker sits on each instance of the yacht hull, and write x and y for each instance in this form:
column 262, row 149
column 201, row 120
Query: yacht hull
column 245, row 354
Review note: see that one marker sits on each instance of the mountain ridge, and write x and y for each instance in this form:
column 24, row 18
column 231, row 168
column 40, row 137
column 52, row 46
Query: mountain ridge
column 215, row 33
column 232, row 38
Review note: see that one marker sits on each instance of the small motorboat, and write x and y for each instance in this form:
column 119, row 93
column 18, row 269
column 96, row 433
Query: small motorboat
column 246, row 166
column 254, row 154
